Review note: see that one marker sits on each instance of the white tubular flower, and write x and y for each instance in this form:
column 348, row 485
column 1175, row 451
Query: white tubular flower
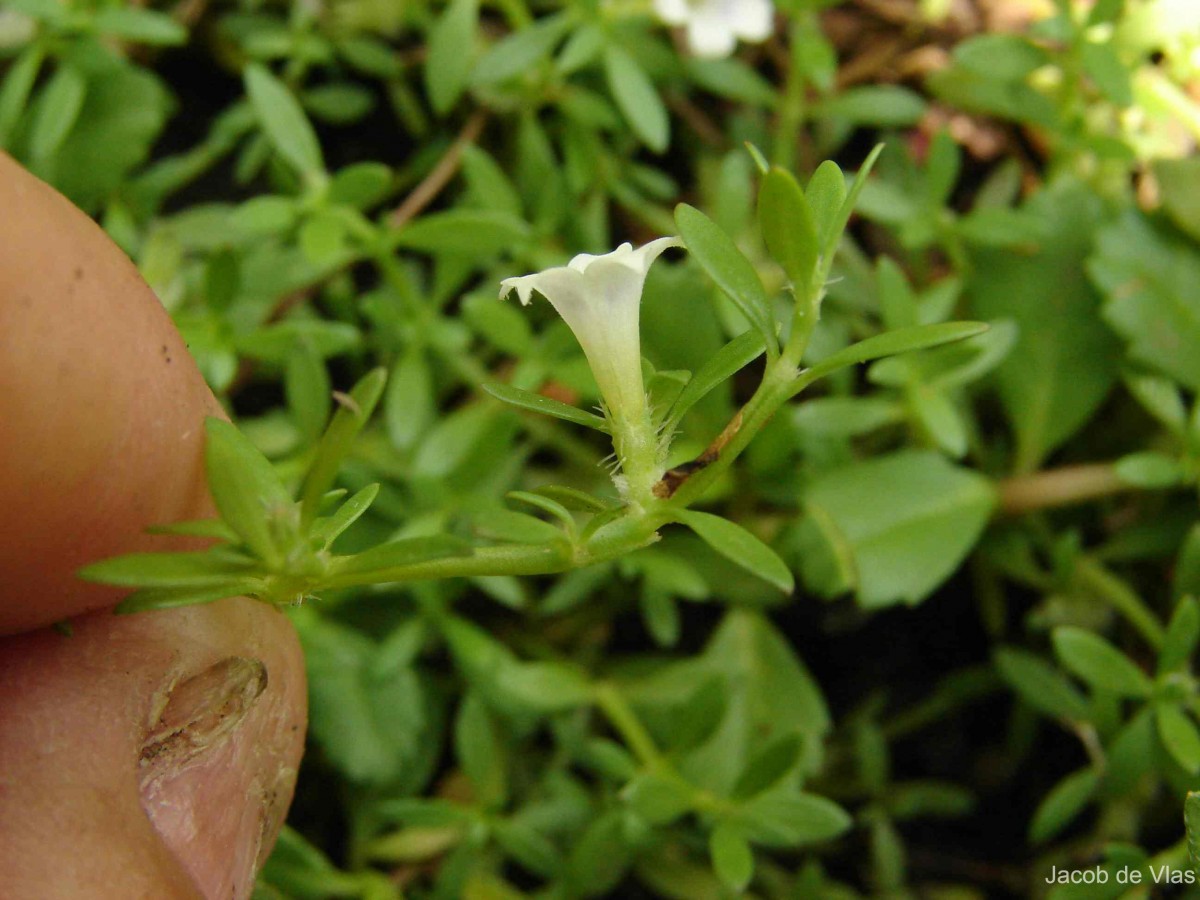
column 714, row 26
column 599, row 297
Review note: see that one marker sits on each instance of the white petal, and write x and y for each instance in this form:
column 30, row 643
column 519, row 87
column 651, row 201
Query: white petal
column 673, row 12
column 754, row 20
column 708, row 33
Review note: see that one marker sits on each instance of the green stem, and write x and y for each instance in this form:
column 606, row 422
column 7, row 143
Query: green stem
column 628, row 726
column 778, row 386
column 1122, row 598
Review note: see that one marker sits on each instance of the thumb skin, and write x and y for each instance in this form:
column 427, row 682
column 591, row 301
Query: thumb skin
column 151, row 755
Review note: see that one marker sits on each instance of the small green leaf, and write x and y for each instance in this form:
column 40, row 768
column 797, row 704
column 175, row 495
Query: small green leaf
column 545, row 504
column 328, row 530
column 826, row 195
column 902, row 340
column 573, row 498
column 542, row 686
column 360, row 185
column 1191, row 818
column 178, row 570
column 520, row 51
column 1099, row 663
column 144, row 26
column 787, row 226
column 1181, row 638
column 248, row 493
column 387, row 561
column 637, row 98
column 18, row 82
column 353, row 412
column 463, row 232
column 170, row 598
column 1149, row 470
column 769, row 765
column 1040, row 685
column 886, row 105
column 658, row 799
column 732, row 858
column 725, row 264
column 740, row 546
column 1178, row 734
column 511, row 526
column 307, row 390
column 1065, row 801
column 58, row 108
column 283, row 121
column 785, row 817
column 544, row 405
column 837, row 224
column 448, row 64
column 717, row 369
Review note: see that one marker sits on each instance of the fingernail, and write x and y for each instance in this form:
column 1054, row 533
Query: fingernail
column 196, row 714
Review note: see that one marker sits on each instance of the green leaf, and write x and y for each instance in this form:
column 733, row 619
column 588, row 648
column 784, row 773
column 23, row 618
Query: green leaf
column 785, row 817
column 1062, row 805
column 121, row 117
column 1191, row 818
column 463, row 232
column 1065, row 361
column 740, row 546
column 1110, row 74
column 283, row 121
column 1149, row 470
column 658, row 799
column 907, row 520
column 529, row 847
column 883, row 105
column 353, row 412
column 451, row 45
column 774, row 760
column 729, row 268
column 637, row 98
column 1178, row 734
column 731, row 856
column 768, row 692
column 787, row 227
column 143, row 26
column 57, row 109
column 545, row 687
column 1099, row 663
column 838, row 224
column 14, row 93
column 329, row 530
column 1179, row 190
column 480, row 750
column 151, row 570
column 1183, row 633
column 248, row 493
column 544, row 405
column 508, row 525
column 387, row 561
column 409, row 404
column 174, row 597
column 890, row 343
column 520, row 51
column 307, row 390
column 1041, row 685
column 717, row 369
column 826, row 195
column 360, row 185
column 1149, row 275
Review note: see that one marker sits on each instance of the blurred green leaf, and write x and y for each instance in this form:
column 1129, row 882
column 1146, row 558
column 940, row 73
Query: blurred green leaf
column 1099, row 663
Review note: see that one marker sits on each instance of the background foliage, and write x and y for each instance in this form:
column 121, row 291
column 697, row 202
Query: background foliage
column 986, row 667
